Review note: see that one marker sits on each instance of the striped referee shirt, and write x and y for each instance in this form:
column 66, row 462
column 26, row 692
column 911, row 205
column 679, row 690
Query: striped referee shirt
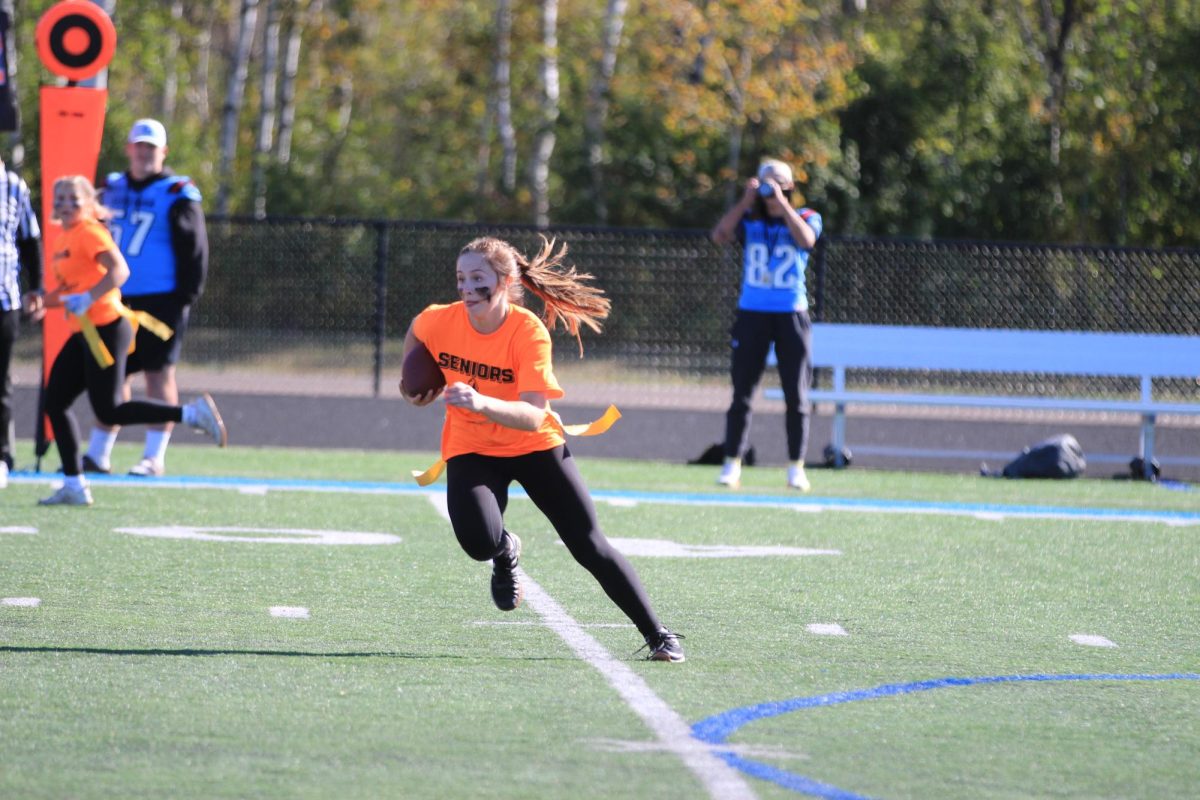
column 19, row 233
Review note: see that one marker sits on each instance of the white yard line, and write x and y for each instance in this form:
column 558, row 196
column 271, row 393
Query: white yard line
column 673, row 733
column 289, row 612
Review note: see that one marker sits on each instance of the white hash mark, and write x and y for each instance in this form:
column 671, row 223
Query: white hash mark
column 826, row 629
column 23, row 602
column 1091, row 640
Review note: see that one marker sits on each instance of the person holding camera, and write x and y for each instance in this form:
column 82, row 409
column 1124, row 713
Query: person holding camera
column 776, row 239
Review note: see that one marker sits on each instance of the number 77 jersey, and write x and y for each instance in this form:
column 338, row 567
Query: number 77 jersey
column 774, row 265
column 141, row 227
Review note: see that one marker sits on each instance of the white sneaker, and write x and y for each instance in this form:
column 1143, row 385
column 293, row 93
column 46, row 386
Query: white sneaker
column 205, row 417
column 148, row 468
column 796, row 479
column 3, row 474
column 731, row 473
column 68, row 496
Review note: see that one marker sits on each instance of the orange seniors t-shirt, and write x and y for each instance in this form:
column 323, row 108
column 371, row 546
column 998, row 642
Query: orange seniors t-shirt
column 514, row 358
column 74, row 263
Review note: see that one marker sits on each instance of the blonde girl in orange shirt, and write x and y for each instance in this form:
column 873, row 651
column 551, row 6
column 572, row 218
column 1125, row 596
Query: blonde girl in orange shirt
column 90, row 270
column 499, row 428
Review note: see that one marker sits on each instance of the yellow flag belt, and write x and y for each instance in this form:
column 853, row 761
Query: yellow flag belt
column 594, row 428
column 94, row 343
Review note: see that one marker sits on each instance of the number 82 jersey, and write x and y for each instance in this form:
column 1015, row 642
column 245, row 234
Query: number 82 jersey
column 774, row 265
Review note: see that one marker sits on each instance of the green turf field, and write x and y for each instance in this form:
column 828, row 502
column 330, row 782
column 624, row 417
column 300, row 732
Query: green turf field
column 298, row 624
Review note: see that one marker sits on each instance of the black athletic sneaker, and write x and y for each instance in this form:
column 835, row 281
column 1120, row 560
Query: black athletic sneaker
column 507, row 592
column 92, row 466
column 664, row 646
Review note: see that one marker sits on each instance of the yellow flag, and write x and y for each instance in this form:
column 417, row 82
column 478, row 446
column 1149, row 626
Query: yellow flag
column 593, row 428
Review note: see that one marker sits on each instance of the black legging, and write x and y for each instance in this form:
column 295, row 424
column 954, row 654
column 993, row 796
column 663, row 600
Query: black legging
column 753, row 332
column 477, row 495
column 8, row 336
column 76, row 369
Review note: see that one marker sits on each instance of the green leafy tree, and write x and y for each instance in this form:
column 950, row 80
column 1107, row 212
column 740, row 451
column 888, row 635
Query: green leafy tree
column 1040, row 120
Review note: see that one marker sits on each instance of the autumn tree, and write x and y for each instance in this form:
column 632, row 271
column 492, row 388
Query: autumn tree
column 1040, row 120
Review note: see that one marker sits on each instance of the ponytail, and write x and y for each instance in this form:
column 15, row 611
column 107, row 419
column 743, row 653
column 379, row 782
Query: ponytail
column 565, row 292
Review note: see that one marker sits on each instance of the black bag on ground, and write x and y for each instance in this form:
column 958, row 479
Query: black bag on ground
column 1057, row 457
column 830, row 453
column 1137, row 469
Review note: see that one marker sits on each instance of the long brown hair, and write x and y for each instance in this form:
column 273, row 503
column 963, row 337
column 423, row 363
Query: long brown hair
column 564, row 291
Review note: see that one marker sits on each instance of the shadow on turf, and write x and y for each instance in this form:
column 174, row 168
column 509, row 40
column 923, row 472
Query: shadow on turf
column 113, row 651
column 189, row 651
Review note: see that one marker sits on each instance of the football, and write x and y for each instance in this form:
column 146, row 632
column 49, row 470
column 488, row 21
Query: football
column 420, row 373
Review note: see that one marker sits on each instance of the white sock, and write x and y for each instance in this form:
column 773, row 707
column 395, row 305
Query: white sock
column 156, row 445
column 100, row 446
column 75, row 481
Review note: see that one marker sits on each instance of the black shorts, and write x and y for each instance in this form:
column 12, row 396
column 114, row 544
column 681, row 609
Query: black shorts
column 152, row 353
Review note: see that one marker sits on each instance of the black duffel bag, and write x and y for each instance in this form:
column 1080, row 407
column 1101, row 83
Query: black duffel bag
column 1057, row 457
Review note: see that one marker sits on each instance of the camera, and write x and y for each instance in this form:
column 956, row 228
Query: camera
column 766, row 189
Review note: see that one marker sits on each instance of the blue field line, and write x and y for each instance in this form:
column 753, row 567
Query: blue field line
column 904, row 506
column 228, row 482
column 717, row 729
column 806, row 503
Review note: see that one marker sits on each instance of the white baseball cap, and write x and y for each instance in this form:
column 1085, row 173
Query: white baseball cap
column 777, row 170
column 148, row 130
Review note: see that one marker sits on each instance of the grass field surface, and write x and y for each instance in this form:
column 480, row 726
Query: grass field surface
column 302, row 624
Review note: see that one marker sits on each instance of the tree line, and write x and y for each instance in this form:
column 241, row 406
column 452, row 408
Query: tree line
column 1017, row 120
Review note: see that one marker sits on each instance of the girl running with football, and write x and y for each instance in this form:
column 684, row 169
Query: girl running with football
column 499, row 428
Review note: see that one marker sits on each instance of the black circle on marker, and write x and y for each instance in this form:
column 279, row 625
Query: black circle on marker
column 59, row 32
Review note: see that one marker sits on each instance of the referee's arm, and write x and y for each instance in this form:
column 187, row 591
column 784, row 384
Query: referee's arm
column 29, row 249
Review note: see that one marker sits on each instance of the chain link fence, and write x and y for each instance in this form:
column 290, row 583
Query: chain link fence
column 331, row 300
column 337, row 296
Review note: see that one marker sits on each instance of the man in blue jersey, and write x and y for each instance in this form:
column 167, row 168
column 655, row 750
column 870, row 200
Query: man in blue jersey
column 158, row 224
column 20, row 247
column 776, row 239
